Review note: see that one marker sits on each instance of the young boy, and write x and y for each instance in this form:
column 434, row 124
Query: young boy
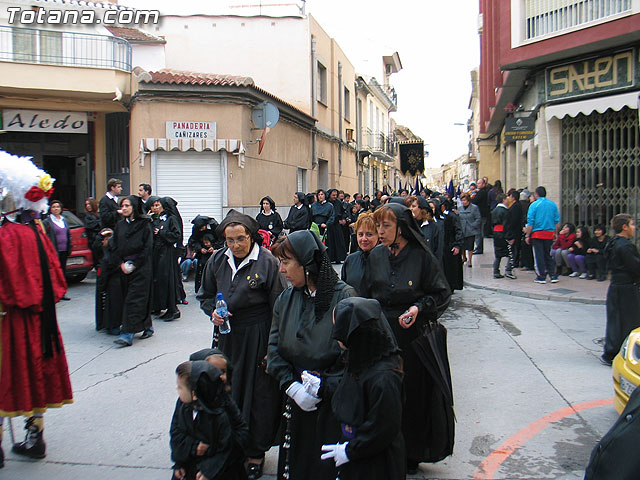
column 623, row 296
column 202, row 256
column 500, row 245
column 208, row 433
column 219, row 360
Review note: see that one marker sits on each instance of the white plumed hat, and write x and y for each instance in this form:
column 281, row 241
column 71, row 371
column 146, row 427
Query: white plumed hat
column 28, row 186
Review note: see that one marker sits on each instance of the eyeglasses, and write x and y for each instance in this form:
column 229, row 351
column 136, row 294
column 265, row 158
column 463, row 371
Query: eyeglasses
column 237, row 241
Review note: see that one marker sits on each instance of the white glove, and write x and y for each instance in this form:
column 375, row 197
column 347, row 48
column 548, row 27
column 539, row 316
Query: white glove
column 304, row 400
column 338, row 452
column 311, row 383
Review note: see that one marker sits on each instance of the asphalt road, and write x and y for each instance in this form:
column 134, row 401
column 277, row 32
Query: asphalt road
column 531, row 397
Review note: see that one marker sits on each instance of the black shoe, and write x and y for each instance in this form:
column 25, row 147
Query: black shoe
column 148, row 332
column 65, row 298
column 510, row 275
column 170, row 316
column 254, row 470
column 602, row 279
column 606, row 362
column 33, row 445
column 497, row 275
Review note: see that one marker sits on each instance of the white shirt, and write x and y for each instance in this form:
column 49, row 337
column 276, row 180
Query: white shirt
column 253, row 255
column 58, row 221
column 112, row 197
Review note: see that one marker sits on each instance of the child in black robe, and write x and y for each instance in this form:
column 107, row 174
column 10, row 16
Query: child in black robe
column 368, row 400
column 208, row 433
column 203, row 254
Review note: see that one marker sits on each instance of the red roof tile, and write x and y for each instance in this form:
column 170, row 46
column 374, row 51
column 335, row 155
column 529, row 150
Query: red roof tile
column 179, row 77
column 135, row 35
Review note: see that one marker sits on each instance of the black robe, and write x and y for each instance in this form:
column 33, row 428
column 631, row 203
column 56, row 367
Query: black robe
column 435, row 238
column 165, row 263
column 413, row 277
column 250, row 297
column 109, row 299
column 452, row 238
column 623, row 296
column 298, row 218
column 336, row 248
column 92, row 227
column 271, row 223
column 133, row 241
column 299, row 342
column 353, row 269
column 218, row 423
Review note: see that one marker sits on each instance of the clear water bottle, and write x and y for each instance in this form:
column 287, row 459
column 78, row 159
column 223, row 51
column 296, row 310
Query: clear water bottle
column 223, row 311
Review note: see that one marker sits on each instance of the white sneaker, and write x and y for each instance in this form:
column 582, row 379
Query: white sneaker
column 574, row 274
column 583, row 276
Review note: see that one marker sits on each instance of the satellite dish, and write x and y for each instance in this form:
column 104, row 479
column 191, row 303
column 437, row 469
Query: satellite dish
column 265, row 115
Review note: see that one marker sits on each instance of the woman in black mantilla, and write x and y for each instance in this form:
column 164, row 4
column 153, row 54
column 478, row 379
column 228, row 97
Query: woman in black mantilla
column 368, row 400
column 166, row 235
column 406, row 278
column 304, row 357
column 335, row 236
column 247, row 275
column 131, row 247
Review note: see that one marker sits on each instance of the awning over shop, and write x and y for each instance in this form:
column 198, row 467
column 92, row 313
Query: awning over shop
column 600, row 105
column 198, row 144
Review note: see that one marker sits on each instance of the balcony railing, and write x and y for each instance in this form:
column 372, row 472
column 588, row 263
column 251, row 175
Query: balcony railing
column 377, row 143
column 51, row 47
column 544, row 17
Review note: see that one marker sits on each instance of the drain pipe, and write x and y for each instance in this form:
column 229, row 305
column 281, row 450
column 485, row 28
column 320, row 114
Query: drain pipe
column 340, row 93
column 314, row 96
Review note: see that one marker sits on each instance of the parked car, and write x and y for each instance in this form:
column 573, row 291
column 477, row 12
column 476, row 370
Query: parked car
column 80, row 260
column 626, row 370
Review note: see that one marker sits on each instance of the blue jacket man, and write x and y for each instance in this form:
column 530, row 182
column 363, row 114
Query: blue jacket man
column 542, row 221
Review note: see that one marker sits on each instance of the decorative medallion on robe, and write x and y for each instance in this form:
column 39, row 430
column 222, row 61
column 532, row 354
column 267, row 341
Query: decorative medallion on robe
column 411, row 158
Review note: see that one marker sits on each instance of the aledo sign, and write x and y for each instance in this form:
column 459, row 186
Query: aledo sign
column 44, row 121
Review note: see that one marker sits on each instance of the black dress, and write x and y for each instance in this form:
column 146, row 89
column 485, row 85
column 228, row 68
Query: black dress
column 413, row 277
column 271, row 223
column 250, row 296
column 433, row 234
column 623, row 296
column 299, row 342
column 165, row 263
column 92, row 227
column 336, row 247
column 452, row 238
column 133, row 241
column 353, row 269
column 109, row 299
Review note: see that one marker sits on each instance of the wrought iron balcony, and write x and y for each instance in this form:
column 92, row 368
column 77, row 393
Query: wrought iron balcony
column 378, row 144
column 52, row 47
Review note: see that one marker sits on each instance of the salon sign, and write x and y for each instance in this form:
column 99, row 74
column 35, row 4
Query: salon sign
column 45, row 121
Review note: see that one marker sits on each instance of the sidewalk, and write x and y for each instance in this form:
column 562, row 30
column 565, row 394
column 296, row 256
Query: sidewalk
column 566, row 290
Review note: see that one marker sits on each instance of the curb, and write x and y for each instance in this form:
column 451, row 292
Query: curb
column 539, row 296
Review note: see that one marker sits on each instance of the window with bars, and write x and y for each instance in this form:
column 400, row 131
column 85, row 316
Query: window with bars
column 600, row 168
column 543, row 17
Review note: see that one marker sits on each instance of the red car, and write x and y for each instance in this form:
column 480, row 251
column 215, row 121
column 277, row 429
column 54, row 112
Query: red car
column 80, row 260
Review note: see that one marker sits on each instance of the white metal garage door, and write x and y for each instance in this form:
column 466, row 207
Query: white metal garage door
column 194, row 180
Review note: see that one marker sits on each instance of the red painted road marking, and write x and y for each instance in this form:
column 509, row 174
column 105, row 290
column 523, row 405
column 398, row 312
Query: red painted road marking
column 489, row 466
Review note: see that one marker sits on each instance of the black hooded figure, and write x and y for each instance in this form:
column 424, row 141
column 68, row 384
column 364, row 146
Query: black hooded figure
column 271, row 222
column 453, row 241
column 401, row 278
column 132, row 242
column 368, row 400
column 211, row 418
column 250, row 285
column 301, row 342
column 335, row 234
column 299, row 217
column 166, row 238
column 170, row 206
column 203, row 225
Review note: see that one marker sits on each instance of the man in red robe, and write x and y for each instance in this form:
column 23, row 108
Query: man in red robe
column 34, row 374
